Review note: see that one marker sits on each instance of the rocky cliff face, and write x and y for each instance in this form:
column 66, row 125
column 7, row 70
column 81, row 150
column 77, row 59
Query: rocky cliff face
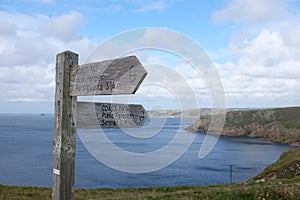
column 278, row 125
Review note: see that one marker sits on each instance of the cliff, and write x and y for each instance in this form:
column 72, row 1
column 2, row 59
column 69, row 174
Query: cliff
column 286, row 167
column 279, row 125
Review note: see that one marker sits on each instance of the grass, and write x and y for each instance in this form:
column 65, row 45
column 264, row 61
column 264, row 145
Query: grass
column 286, row 161
column 294, row 123
column 283, row 189
column 289, row 117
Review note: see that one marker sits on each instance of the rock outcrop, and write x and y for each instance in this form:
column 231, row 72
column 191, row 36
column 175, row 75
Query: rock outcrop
column 278, row 125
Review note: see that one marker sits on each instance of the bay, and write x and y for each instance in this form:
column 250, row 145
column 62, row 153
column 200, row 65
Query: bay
column 26, row 142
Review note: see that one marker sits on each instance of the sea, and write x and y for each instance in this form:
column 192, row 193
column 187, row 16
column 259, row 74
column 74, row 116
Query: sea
column 26, row 146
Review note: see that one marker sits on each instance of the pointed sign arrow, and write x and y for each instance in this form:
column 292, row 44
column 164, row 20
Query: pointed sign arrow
column 110, row 115
column 117, row 76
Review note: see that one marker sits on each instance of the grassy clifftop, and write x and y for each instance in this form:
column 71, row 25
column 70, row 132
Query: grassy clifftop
column 279, row 125
column 288, row 189
column 287, row 166
column 288, row 117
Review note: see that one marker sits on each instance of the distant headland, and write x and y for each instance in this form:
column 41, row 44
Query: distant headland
column 280, row 125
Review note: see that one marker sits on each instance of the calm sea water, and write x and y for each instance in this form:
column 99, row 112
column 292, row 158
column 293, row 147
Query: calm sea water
column 26, row 157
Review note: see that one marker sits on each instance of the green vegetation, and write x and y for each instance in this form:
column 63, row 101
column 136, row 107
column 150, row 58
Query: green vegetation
column 19, row 192
column 284, row 189
column 287, row 166
column 294, row 123
column 288, row 117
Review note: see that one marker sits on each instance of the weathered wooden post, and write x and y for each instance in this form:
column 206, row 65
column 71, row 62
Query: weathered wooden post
column 230, row 174
column 64, row 130
column 116, row 76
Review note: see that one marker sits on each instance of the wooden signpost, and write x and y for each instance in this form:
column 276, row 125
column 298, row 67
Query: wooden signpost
column 118, row 76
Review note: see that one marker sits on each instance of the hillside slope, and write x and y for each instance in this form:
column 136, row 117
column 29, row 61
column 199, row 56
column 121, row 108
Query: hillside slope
column 286, row 167
column 279, row 125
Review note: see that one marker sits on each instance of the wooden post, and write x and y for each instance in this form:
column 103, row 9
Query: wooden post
column 117, row 76
column 64, row 130
column 230, row 174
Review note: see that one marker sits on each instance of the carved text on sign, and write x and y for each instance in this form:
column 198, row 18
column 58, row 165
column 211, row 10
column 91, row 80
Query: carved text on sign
column 110, row 115
column 117, row 76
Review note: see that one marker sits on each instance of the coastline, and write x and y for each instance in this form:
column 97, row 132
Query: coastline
column 281, row 125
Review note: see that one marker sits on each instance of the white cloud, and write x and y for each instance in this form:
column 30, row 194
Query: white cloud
column 267, row 49
column 7, row 28
column 251, row 11
column 64, row 27
column 266, row 72
column 23, row 83
column 264, row 69
column 27, row 54
column 153, row 37
column 174, row 81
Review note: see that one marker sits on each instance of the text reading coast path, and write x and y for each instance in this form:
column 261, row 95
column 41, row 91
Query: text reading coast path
column 110, row 115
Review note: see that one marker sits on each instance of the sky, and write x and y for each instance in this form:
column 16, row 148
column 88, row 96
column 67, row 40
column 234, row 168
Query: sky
column 253, row 44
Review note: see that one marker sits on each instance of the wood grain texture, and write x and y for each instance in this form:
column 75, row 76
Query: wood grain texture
column 110, row 115
column 117, row 76
column 64, row 130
